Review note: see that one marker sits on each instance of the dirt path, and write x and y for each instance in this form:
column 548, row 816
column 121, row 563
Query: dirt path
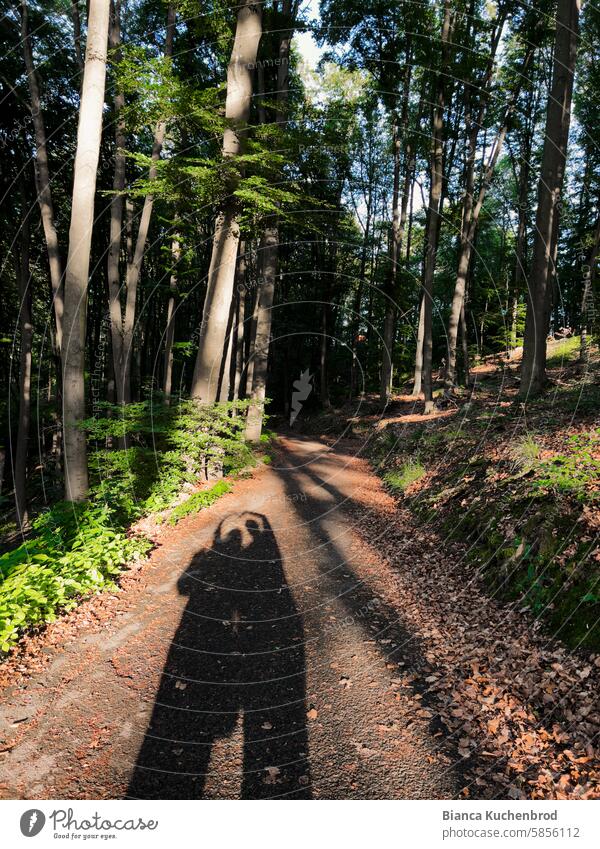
column 271, row 648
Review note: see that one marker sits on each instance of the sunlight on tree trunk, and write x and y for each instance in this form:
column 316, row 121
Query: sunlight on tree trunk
column 80, row 238
column 221, row 274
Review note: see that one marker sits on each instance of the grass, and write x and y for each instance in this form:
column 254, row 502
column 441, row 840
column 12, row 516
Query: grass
column 564, row 352
column 399, row 480
column 198, row 501
column 526, row 451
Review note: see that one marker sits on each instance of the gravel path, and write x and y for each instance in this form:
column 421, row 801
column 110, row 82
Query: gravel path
column 258, row 654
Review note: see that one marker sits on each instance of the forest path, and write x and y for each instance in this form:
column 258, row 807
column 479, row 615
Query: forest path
column 258, row 654
column 301, row 638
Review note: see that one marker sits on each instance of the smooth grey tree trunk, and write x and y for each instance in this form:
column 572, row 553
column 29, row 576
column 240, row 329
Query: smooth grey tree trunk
column 418, row 379
column 221, row 274
column 89, row 134
column 554, row 157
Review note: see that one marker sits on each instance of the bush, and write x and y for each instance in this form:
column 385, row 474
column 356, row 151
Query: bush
column 79, row 549
column 74, row 554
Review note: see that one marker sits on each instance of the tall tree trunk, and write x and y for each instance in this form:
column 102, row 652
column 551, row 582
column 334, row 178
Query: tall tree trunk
column 323, row 349
column 77, row 33
column 271, row 250
column 465, row 344
column 554, row 156
column 225, row 387
column 221, row 274
column 472, row 212
column 356, row 307
column 42, row 181
column 20, row 471
column 418, row 379
column 434, row 217
column 252, row 339
column 170, row 331
column 116, row 210
column 89, row 134
column 520, row 267
column 268, row 248
column 134, row 264
column 399, row 212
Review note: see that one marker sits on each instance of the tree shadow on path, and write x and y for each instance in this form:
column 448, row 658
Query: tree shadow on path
column 236, row 658
column 364, row 605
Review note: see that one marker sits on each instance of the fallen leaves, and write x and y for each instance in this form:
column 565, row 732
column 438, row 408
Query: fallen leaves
column 519, row 708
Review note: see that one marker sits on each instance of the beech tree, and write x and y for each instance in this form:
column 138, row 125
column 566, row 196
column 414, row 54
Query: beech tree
column 269, row 250
column 221, row 273
column 89, row 133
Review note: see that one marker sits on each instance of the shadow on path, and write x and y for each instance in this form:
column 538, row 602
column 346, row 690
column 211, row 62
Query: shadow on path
column 361, row 601
column 237, row 658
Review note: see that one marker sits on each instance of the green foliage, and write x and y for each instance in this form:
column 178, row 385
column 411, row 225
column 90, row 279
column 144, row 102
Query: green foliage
column 198, row 501
column 75, row 553
column 400, row 479
column 79, row 549
column 573, row 473
column 526, row 450
column 521, row 505
column 564, row 352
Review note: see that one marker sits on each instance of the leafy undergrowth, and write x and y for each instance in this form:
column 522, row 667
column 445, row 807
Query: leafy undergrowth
column 520, row 485
column 198, row 501
column 77, row 550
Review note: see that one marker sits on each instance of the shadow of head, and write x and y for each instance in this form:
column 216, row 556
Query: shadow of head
column 238, row 652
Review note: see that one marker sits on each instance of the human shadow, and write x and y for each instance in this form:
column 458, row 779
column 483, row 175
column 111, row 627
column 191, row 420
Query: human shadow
column 236, row 658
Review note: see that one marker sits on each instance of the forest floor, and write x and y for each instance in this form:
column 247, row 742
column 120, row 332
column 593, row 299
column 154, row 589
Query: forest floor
column 304, row 637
